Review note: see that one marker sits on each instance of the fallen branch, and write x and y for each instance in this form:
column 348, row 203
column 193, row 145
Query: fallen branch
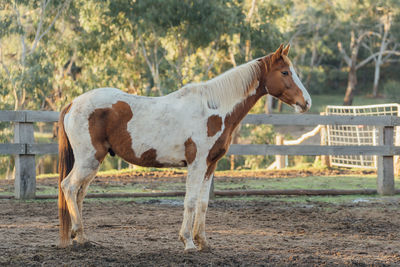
column 304, row 137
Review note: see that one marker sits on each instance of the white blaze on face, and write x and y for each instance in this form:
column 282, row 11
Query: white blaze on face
column 306, row 95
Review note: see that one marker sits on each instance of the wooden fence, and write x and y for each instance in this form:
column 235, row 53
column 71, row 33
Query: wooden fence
column 24, row 148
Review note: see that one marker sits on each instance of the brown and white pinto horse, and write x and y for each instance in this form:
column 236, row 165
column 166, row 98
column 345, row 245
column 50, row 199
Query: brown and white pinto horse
column 190, row 127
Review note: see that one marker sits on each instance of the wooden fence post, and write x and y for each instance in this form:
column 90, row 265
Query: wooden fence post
column 397, row 158
column 280, row 160
column 324, row 137
column 385, row 180
column 25, row 172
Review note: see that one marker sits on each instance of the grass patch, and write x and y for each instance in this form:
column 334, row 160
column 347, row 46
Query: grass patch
column 103, row 189
column 44, row 138
column 312, row 182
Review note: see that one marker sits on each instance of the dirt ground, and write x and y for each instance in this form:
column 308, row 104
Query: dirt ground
column 242, row 233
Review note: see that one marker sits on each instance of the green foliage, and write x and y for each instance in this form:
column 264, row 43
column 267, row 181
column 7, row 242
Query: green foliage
column 260, row 134
column 392, row 90
column 154, row 47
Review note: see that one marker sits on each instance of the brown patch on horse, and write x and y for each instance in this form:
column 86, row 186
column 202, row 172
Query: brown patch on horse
column 214, row 124
column 108, row 128
column 221, row 146
column 190, row 150
column 148, row 159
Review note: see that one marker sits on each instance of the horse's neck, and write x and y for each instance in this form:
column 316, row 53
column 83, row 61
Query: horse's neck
column 227, row 90
column 240, row 110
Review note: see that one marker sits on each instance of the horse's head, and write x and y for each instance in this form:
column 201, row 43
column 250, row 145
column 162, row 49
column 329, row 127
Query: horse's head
column 282, row 81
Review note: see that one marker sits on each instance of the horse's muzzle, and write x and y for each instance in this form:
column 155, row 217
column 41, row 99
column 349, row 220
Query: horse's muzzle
column 302, row 108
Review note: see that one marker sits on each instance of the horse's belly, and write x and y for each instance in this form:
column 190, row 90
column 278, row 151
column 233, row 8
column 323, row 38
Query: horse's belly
column 153, row 157
column 173, row 156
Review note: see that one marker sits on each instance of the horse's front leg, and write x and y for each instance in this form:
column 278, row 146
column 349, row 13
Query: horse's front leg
column 196, row 172
column 199, row 228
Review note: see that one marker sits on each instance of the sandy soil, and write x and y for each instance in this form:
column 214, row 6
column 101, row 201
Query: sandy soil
column 242, row 233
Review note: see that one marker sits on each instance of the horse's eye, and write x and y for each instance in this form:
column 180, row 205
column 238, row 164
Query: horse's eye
column 285, row 73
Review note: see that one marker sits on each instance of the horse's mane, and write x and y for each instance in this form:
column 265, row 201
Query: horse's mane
column 229, row 88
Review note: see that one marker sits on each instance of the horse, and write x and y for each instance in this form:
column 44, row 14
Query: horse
column 191, row 127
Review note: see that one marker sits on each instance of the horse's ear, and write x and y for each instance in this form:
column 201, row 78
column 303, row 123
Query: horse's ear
column 278, row 53
column 286, row 50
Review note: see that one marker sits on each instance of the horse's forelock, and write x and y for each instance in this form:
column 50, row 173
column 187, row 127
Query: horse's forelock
column 287, row 60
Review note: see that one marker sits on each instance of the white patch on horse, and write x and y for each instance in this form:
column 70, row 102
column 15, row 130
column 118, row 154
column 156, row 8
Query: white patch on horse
column 306, row 95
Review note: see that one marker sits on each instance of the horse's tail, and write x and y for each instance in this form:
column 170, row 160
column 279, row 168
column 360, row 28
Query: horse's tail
column 65, row 163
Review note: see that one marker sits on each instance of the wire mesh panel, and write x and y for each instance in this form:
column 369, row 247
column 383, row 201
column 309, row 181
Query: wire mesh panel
column 357, row 134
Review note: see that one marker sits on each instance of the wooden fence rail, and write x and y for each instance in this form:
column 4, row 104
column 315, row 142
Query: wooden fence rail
column 24, row 148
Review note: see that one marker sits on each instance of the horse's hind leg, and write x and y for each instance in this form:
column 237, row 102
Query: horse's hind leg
column 74, row 187
column 81, row 195
column 83, row 190
column 199, row 227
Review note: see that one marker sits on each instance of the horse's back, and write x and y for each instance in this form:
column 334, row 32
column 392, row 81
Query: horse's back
column 100, row 98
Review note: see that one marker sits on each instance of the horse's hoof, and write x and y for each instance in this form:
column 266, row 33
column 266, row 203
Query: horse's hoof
column 64, row 244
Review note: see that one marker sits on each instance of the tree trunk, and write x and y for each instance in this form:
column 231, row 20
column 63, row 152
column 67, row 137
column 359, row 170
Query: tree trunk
column 377, row 73
column 386, row 23
column 235, row 139
column 351, row 85
column 376, row 82
column 280, row 104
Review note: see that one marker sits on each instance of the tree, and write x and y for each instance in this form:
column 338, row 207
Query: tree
column 357, row 20
column 314, row 21
column 24, row 26
column 178, row 40
column 386, row 44
column 352, row 63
